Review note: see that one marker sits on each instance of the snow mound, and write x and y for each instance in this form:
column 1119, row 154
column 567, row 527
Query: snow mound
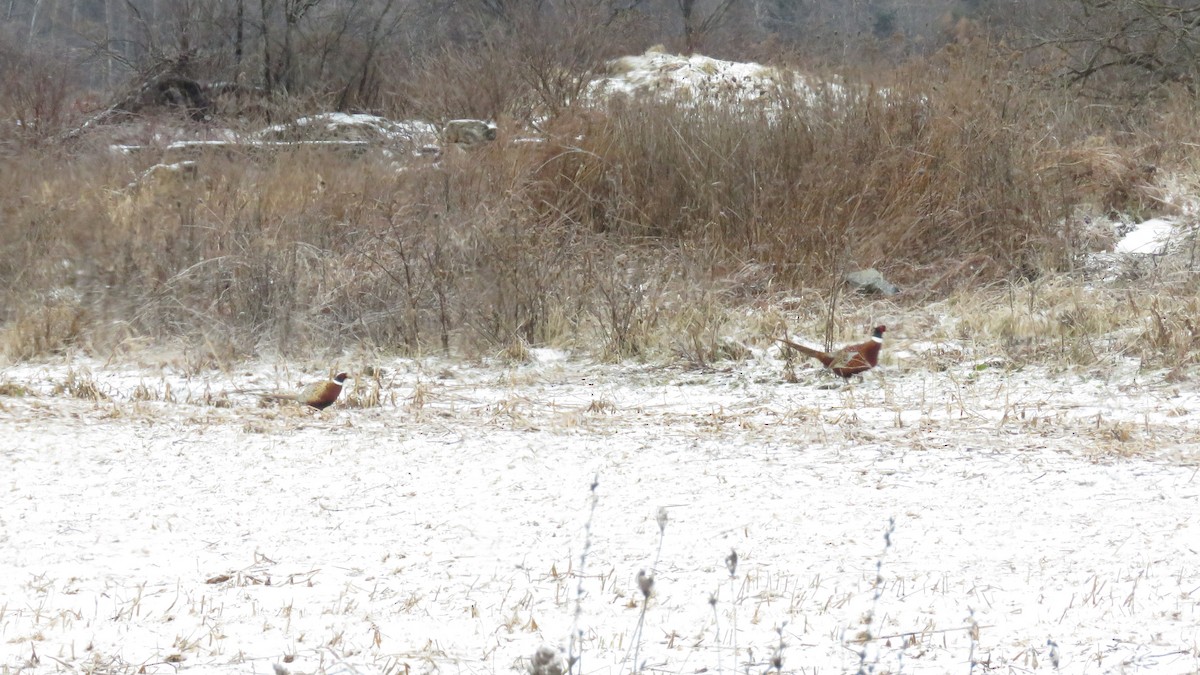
column 697, row 78
column 1151, row 237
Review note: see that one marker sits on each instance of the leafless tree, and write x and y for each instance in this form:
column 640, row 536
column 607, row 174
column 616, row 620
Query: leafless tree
column 700, row 20
column 1131, row 43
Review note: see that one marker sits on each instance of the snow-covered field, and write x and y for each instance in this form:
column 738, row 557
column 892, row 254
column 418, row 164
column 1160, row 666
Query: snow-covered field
column 1039, row 521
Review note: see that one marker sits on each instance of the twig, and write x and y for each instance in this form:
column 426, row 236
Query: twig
column 574, row 645
column 871, row 638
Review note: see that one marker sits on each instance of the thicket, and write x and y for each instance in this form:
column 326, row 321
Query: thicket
column 626, row 227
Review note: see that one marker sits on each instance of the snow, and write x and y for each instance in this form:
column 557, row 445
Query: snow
column 328, row 130
column 696, row 72
column 345, row 123
column 692, row 79
column 1149, row 237
column 157, row 171
column 176, row 525
column 700, row 78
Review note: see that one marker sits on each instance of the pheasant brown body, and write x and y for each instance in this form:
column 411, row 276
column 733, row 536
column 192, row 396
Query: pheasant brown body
column 849, row 360
column 319, row 395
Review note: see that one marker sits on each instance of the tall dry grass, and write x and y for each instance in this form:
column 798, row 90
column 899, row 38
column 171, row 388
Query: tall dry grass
column 923, row 172
column 637, row 228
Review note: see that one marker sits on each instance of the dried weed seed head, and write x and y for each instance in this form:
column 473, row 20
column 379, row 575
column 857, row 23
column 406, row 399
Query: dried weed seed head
column 546, row 661
column 645, row 583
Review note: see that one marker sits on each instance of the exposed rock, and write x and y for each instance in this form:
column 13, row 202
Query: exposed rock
column 870, row 281
column 468, row 132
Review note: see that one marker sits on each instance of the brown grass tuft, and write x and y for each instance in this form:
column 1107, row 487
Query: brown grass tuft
column 80, row 384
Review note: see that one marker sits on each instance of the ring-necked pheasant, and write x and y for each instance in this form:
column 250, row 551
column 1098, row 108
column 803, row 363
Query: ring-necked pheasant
column 849, row 360
column 319, row 395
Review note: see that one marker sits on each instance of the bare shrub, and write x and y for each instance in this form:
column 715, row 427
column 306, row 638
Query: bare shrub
column 626, row 303
column 52, row 326
column 454, row 83
column 35, row 88
column 1123, row 47
column 1114, row 178
column 523, row 61
column 812, row 180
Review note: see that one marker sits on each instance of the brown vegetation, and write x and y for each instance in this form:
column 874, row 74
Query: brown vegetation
column 634, row 227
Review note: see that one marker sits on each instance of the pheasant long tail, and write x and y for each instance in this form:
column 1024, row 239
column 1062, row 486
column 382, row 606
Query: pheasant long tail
column 825, row 359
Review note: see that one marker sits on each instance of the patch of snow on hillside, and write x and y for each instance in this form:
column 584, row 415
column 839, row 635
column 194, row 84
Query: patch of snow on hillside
column 1150, row 237
column 696, row 77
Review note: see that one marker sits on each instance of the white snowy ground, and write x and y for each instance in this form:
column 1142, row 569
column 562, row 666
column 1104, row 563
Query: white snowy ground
column 1042, row 521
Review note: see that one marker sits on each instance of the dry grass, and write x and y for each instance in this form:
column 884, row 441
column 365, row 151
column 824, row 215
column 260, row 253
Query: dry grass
column 642, row 230
column 80, row 384
column 369, row 389
column 925, row 170
column 1072, row 324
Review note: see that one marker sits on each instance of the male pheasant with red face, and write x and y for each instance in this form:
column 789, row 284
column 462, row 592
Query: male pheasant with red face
column 849, row 360
column 319, row 395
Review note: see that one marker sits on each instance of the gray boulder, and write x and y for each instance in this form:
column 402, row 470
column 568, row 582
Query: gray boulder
column 468, row 132
column 870, row 281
